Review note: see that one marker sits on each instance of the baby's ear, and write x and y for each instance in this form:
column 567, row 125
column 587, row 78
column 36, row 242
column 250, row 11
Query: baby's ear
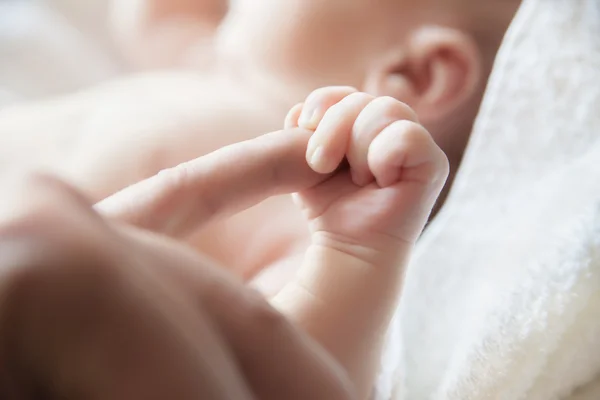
column 437, row 71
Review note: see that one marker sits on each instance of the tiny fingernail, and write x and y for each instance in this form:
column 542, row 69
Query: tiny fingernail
column 309, row 118
column 317, row 160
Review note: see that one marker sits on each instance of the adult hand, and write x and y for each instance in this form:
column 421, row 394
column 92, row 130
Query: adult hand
column 92, row 307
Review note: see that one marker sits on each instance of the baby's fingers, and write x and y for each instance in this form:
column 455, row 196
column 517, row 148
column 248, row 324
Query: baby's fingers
column 318, row 102
column 376, row 116
column 329, row 144
column 405, row 152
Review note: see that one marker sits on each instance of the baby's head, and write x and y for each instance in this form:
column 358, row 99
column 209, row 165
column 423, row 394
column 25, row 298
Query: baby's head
column 434, row 55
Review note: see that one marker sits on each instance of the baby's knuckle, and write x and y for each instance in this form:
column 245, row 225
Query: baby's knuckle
column 418, row 139
column 387, row 103
column 343, row 111
column 393, row 107
column 410, row 130
column 358, row 97
column 327, row 91
column 415, row 136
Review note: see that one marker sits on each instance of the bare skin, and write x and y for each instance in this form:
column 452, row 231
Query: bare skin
column 260, row 246
column 106, row 138
column 343, row 296
column 162, row 33
column 91, row 309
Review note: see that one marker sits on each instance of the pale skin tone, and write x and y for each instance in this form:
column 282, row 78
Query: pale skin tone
column 106, row 138
column 123, row 132
column 160, row 33
column 149, row 310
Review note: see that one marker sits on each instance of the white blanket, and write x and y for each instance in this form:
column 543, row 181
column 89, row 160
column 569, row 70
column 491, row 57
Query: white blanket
column 502, row 300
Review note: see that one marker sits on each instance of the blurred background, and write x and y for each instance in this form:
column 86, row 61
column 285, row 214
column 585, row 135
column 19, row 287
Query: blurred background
column 48, row 47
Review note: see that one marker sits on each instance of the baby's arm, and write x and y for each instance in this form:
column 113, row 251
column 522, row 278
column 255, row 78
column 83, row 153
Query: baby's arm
column 364, row 221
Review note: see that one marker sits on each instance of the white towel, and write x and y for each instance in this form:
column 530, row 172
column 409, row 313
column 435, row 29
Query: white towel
column 502, row 300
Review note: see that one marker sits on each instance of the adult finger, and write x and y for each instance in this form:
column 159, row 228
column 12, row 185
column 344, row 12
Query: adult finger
column 179, row 200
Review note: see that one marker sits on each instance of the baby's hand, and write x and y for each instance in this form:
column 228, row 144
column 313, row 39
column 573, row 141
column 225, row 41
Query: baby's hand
column 364, row 220
column 377, row 205
column 364, row 217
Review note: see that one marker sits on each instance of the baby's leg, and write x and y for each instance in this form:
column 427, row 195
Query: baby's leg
column 364, row 221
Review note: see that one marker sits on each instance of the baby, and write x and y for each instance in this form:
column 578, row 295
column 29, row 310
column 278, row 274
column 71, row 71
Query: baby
column 434, row 55
column 379, row 175
column 128, row 303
